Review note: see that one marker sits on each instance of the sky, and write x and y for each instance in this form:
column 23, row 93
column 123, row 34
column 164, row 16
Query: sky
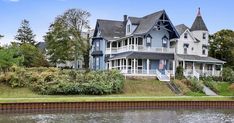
column 217, row 14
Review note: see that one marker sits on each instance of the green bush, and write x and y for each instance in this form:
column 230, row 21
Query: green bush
column 211, row 85
column 228, row 74
column 195, row 85
column 53, row 81
column 179, row 73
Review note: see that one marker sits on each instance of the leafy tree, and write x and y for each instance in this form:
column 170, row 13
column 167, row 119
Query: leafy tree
column 222, row 46
column 32, row 56
column 73, row 22
column 1, row 36
column 58, row 43
column 8, row 57
column 25, row 33
column 179, row 73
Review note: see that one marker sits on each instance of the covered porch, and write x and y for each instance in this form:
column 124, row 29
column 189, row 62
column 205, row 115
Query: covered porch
column 143, row 64
column 200, row 66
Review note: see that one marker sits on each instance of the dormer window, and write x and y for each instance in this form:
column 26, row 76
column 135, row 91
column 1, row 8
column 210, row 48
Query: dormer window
column 128, row 28
column 204, row 35
column 185, row 35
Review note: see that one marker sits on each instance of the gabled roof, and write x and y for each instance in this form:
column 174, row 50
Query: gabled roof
column 110, row 29
column 198, row 58
column 181, row 28
column 135, row 20
column 147, row 22
column 199, row 24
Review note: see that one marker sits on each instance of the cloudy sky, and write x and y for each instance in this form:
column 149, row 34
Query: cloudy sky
column 217, row 14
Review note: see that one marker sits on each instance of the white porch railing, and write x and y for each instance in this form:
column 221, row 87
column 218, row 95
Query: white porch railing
column 141, row 48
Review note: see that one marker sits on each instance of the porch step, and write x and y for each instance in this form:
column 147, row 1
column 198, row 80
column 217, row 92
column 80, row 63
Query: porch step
column 164, row 78
column 173, row 87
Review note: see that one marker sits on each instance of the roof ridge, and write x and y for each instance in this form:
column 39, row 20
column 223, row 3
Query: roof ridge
column 108, row 20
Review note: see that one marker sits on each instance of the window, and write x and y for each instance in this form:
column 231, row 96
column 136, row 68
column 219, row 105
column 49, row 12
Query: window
column 185, row 35
column 204, row 35
column 185, row 50
column 192, row 49
column 203, row 52
column 140, row 41
column 128, row 28
column 97, row 46
column 148, row 39
column 108, row 45
column 97, row 63
column 164, row 41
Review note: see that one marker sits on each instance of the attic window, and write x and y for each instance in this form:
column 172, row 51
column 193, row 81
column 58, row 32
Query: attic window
column 185, row 35
column 128, row 28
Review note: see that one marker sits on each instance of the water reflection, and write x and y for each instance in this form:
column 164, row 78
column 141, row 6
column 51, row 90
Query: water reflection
column 128, row 116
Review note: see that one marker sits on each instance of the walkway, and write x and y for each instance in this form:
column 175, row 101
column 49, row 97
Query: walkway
column 209, row 92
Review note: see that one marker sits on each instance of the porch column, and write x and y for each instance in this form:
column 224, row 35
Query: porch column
column 128, row 44
column 134, row 64
column 203, row 68
column 213, row 69
column 193, row 67
column 120, row 64
column 110, row 65
column 117, row 45
column 174, row 67
column 126, row 65
column 184, row 65
column 110, row 48
column 221, row 68
column 147, row 67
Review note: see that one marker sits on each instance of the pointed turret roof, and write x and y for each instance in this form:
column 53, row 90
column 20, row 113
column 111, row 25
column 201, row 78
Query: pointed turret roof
column 199, row 24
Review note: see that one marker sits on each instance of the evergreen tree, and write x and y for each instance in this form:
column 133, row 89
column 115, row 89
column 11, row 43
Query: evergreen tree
column 25, row 33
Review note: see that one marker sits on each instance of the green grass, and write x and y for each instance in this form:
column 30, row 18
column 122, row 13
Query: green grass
column 134, row 90
column 223, row 89
column 190, row 93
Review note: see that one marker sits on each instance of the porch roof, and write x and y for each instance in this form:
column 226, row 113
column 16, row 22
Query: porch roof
column 143, row 55
column 199, row 58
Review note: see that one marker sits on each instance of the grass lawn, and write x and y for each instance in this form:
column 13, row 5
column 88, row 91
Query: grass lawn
column 223, row 88
column 134, row 90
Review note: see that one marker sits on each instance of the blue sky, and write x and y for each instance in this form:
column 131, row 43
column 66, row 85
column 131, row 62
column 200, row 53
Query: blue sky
column 217, row 14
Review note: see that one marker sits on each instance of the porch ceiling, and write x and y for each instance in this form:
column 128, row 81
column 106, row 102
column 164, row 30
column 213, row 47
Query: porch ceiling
column 199, row 59
column 143, row 55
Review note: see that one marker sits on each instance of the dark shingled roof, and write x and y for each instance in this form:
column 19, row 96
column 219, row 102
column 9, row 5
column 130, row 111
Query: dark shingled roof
column 135, row 20
column 143, row 55
column 199, row 58
column 199, row 24
column 147, row 22
column 181, row 28
column 111, row 29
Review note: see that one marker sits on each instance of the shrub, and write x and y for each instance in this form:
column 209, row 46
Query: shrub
column 228, row 75
column 179, row 73
column 212, row 85
column 193, row 84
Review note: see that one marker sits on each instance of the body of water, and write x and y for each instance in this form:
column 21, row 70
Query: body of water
column 127, row 116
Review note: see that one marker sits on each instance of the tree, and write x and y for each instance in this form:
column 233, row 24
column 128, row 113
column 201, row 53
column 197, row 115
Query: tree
column 1, row 36
column 58, row 44
column 72, row 23
column 32, row 56
column 8, row 57
column 25, row 33
column 76, row 21
column 222, row 46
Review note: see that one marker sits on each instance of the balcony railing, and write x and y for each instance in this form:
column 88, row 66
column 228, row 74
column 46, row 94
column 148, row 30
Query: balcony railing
column 141, row 48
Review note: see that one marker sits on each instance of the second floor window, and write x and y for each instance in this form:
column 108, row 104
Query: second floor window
column 164, row 41
column 204, row 36
column 148, row 40
column 203, row 52
column 97, row 46
column 186, row 48
column 185, row 35
column 97, row 63
column 128, row 28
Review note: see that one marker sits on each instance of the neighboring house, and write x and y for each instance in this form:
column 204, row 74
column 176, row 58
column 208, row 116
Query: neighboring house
column 151, row 46
column 136, row 46
column 192, row 50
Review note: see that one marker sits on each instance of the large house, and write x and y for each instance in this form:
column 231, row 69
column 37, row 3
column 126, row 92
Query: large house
column 152, row 46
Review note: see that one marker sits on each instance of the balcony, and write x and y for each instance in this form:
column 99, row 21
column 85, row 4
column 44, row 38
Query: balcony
column 139, row 48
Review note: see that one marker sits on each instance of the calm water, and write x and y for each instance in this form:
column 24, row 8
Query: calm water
column 128, row 116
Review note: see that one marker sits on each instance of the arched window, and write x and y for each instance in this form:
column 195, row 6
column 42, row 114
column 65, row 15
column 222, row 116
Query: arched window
column 165, row 41
column 148, row 40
